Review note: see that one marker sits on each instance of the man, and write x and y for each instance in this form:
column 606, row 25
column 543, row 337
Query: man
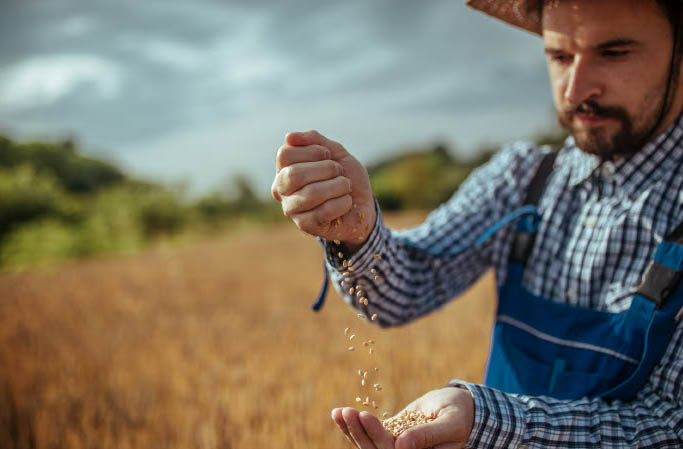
column 587, row 350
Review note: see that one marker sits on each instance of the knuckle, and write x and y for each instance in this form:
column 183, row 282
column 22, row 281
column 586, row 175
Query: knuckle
column 287, row 211
column 282, row 155
column 319, row 152
column 274, row 192
column 331, row 168
column 320, row 220
column 287, row 177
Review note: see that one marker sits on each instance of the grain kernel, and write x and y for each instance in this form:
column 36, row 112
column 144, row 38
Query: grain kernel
column 351, row 269
column 350, row 262
column 376, row 370
column 362, row 382
column 360, row 372
column 384, row 415
column 400, row 423
column 351, row 348
column 374, row 317
column 370, row 351
column 358, row 399
column 377, row 256
column 345, row 264
column 346, row 274
column 352, row 336
column 373, row 271
column 377, row 278
column 359, row 293
column 346, row 331
column 374, row 404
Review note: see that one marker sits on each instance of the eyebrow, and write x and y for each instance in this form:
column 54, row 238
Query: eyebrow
column 614, row 43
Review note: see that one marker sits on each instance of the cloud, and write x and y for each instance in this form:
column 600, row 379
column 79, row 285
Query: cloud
column 43, row 80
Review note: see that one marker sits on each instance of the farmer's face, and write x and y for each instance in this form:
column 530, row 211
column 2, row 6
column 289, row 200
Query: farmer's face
column 608, row 62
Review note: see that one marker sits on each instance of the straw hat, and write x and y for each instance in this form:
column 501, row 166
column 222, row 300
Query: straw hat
column 524, row 14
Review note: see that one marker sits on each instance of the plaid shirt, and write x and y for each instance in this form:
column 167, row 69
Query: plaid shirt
column 601, row 223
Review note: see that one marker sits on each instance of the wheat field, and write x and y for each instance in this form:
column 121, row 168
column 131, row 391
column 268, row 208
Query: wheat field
column 210, row 345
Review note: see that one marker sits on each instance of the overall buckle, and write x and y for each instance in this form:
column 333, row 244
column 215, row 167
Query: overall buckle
column 658, row 282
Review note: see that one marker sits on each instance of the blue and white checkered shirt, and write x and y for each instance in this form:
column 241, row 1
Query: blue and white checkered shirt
column 601, row 223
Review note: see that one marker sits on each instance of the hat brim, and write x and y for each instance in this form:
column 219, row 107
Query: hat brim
column 524, row 14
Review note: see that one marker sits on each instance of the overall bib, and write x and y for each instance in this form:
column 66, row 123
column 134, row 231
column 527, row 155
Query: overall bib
column 544, row 348
column 541, row 347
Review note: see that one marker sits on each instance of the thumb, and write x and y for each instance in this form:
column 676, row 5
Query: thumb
column 313, row 137
column 435, row 433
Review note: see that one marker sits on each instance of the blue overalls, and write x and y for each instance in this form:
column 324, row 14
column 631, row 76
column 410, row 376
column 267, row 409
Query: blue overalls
column 544, row 348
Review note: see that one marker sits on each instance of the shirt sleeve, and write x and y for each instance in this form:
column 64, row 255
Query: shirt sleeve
column 406, row 274
column 653, row 419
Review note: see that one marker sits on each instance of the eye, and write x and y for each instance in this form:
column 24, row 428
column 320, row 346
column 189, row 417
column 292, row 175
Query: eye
column 613, row 54
column 561, row 58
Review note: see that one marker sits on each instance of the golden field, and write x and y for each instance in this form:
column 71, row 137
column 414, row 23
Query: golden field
column 210, row 345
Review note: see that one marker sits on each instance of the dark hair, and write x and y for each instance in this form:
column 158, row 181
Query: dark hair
column 672, row 10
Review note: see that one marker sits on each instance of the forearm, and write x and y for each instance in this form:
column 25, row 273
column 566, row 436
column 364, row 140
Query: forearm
column 399, row 276
column 515, row 421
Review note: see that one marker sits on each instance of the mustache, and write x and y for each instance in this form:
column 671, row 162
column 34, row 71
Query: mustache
column 593, row 108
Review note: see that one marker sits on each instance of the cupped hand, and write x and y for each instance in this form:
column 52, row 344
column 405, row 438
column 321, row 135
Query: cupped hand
column 452, row 407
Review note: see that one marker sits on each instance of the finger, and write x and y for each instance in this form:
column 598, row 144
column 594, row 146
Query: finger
column 339, row 421
column 273, row 190
column 356, row 429
column 288, row 155
column 313, row 195
column 294, row 177
column 318, row 220
column 376, row 431
column 313, row 137
column 439, row 431
column 449, row 446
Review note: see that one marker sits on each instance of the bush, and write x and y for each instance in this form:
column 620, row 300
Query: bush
column 26, row 195
column 39, row 242
column 75, row 173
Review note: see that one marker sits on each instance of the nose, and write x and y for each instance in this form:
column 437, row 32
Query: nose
column 582, row 83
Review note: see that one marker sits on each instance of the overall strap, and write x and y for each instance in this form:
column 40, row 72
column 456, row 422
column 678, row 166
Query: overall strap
column 664, row 272
column 526, row 235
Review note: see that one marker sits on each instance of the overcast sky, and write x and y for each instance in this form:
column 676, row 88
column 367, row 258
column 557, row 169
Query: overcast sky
column 202, row 90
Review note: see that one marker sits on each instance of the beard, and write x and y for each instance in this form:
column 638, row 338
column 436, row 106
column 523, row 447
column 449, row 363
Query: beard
column 625, row 141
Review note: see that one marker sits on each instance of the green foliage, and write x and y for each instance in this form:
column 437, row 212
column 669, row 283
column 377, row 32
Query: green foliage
column 76, row 173
column 419, row 180
column 57, row 204
column 38, row 242
column 27, row 195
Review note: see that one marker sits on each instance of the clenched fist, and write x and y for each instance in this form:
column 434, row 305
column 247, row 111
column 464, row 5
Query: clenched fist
column 323, row 189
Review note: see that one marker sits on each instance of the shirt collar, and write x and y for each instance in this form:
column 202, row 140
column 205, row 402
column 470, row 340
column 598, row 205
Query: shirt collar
column 633, row 172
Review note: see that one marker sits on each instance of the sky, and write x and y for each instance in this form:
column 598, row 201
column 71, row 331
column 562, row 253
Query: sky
column 201, row 91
